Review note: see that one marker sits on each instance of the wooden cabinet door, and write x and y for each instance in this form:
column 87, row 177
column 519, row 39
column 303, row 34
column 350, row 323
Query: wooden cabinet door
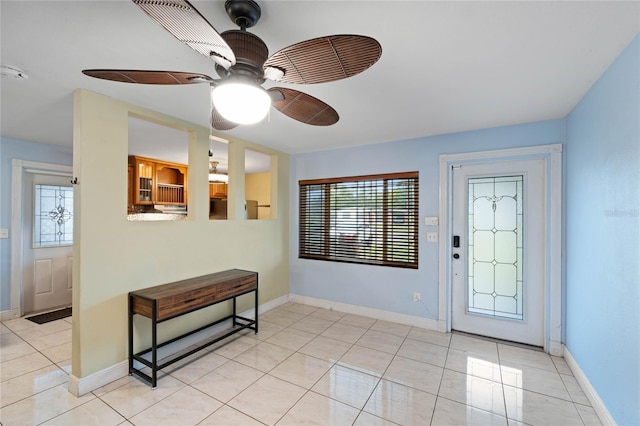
column 144, row 177
column 217, row 190
column 130, row 192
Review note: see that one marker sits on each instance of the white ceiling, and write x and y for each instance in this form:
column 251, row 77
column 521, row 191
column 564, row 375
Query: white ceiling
column 446, row 66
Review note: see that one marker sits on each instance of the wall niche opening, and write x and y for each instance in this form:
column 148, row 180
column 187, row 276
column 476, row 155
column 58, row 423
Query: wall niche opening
column 257, row 185
column 218, row 177
column 157, row 171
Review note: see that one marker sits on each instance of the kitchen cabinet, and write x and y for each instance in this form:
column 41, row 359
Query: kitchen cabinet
column 157, row 182
column 171, row 183
column 130, row 194
column 217, row 190
column 143, row 178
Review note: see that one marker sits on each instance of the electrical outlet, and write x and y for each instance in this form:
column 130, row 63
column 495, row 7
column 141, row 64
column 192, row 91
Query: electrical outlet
column 4, row 233
column 416, row 296
column 432, row 237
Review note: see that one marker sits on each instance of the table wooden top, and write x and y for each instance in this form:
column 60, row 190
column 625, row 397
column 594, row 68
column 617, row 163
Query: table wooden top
column 192, row 284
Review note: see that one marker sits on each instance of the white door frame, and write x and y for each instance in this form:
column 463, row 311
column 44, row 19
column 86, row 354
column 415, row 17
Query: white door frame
column 552, row 154
column 19, row 167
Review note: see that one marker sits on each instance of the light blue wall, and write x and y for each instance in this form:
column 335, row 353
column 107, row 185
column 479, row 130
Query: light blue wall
column 31, row 151
column 386, row 288
column 601, row 219
column 603, row 238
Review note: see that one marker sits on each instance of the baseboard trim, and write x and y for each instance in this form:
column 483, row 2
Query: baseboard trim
column 79, row 386
column 9, row 315
column 271, row 304
column 590, row 392
column 555, row 348
column 82, row 385
column 427, row 323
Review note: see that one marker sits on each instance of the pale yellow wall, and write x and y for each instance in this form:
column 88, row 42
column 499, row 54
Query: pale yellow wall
column 113, row 256
column 258, row 187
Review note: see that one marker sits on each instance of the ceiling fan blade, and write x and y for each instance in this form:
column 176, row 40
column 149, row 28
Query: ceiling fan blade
column 324, row 59
column 149, row 77
column 275, row 94
column 185, row 23
column 302, row 107
column 218, row 122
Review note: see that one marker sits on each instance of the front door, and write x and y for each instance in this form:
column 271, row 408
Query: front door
column 47, row 232
column 498, row 248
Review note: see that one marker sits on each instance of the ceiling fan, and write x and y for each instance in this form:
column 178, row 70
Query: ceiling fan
column 243, row 65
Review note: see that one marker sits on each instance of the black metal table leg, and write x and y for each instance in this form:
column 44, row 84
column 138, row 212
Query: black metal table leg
column 154, row 345
column 130, row 337
column 234, row 311
column 256, row 308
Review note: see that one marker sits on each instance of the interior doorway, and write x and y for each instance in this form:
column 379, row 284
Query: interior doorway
column 47, row 234
column 501, row 243
column 22, row 177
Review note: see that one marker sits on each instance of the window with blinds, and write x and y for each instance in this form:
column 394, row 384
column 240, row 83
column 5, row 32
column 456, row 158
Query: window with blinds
column 361, row 219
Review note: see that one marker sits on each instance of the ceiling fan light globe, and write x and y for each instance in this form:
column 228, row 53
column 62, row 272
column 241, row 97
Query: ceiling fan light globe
column 241, row 103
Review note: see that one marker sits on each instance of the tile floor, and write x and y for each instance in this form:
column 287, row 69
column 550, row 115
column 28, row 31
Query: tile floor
column 305, row 366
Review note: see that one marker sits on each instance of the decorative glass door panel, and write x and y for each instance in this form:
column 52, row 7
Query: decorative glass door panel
column 498, row 252
column 53, row 216
column 495, row 252
column 145, row 182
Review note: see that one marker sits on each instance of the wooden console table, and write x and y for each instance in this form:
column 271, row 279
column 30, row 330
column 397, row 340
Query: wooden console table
column 167, row 301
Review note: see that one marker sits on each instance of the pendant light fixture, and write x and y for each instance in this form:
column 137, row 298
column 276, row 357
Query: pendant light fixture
column 214, row 175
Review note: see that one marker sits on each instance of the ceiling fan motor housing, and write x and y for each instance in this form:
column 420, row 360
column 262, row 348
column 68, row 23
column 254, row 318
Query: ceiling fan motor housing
column 251, row 53
column 243, row 13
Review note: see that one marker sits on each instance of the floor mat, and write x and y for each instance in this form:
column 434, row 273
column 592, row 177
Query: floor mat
column 50, row 316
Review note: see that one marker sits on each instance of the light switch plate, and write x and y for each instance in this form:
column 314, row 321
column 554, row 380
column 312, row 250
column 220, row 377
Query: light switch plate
column 432, row 237
column 431, row 220
column 4, row 233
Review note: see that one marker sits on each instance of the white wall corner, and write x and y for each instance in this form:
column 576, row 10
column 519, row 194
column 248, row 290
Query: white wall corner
column 79, row 386
column 9, row 314
column 271, row 304
column 426, row 323
column 590, row 392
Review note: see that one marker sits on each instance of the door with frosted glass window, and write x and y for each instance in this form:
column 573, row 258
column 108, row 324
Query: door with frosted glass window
column 47, row 234
column 498, row 250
